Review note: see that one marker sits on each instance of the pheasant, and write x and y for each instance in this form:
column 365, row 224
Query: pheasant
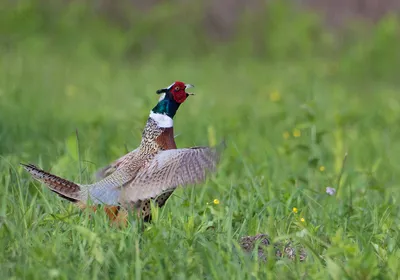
column 150, row 172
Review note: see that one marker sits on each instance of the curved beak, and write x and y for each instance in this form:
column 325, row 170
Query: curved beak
column 189, row 86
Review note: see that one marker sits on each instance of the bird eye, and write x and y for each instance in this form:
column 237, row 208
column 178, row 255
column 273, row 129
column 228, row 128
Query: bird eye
column 177, row 88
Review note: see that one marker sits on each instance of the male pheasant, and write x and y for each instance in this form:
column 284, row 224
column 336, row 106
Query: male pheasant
column 150, row 172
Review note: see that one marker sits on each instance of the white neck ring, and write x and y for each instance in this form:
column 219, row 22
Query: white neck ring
column 162, row 120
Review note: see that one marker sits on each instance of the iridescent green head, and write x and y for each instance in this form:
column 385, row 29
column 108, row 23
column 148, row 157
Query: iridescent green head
column 171, row 98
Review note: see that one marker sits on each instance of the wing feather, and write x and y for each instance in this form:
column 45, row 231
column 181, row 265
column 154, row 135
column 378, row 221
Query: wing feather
column 119, row 174
column 170, row 169
column 109, row 169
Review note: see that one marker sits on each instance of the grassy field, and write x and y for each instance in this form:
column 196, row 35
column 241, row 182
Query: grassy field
column 75, row 93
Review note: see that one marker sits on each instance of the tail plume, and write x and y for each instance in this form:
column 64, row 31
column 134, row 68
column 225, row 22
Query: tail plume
column 64, row 188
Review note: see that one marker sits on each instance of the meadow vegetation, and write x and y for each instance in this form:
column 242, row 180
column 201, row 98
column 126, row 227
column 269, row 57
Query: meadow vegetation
column 290, row 97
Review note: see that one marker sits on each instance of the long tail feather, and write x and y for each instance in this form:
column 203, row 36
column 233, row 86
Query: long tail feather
column 64, row 188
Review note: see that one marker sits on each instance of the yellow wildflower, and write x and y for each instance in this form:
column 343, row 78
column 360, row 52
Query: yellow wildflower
column 295, row 210
column 286, row 135
column 275, row 96
column 296, row 133
column 302, row 220
column 216, row 201
column 322, row 168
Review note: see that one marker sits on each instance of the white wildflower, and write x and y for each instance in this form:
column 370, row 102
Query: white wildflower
column 330, row 191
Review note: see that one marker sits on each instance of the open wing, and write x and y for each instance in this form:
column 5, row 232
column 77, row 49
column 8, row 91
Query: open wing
column 109, row 169
column 113, row 178
column 170, row 169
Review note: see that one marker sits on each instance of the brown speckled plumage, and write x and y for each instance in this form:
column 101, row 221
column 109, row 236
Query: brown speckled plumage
column 287, row 249
column 62, row 187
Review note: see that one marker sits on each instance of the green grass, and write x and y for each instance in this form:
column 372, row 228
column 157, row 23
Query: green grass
column 75, row 94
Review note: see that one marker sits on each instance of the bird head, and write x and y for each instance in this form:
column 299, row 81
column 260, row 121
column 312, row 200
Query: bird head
column 176, row 92
column 171, row 98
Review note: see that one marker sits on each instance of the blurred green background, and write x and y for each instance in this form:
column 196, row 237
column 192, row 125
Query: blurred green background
column 290, row 86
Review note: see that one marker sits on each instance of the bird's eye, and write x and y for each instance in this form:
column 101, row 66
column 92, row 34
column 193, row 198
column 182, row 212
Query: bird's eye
column 177, row 88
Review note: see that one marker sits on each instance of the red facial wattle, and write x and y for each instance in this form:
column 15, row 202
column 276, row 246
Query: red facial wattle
column 179, row 96
column 178, row 92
